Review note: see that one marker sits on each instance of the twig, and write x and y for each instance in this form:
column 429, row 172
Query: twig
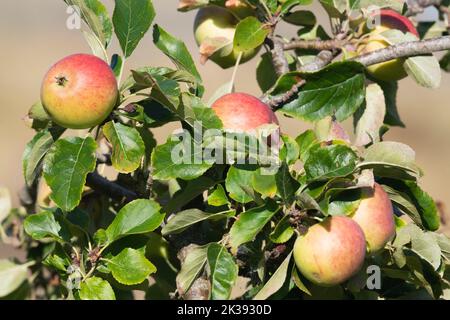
column 406, row 49
column 314, row 44
column 279, row 60
column 323, row 59
column 112, row 189
column 276, row 101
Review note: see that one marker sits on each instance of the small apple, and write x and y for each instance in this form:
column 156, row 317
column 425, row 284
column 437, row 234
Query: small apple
column 390, row 70
column 240, row 8
column 375, row 216
column 79, row 91
column 214, row 30
column 331, row 252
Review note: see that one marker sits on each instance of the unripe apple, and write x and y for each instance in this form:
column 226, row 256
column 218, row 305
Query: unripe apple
column 239, row 8
column 79, row 91
column 243, row 112
column 390, row 70
column 214, row 30
column 375, row 216
column 331, row 252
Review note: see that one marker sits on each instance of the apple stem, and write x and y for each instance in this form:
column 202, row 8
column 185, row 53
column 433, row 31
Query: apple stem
column 233, row 77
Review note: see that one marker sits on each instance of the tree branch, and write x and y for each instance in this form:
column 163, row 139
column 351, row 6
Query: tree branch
column 315, row 44
column 279, row 60
column 323, row 59
column 112, row 189
column 403, row 50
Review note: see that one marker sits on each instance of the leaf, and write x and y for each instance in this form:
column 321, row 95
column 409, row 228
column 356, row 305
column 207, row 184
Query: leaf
column 369, row 124
column 283, row 231
column 176, row 50
column 427, row 207
column 12, row 276
column 337, row 90
column 176, row 159
column 301, row 18
column 42, row 225
column 330, row 162
column 290, row 152
column 392, row 117
column 426, row 246
column 306, row 141
column 184, row 219
column 132, row 19
column 264, row 183
column 130, row 267
column 218, row 197
column 35, row 152
column 286, row 184
column 96, row 46
column 237, row 181
column 275, row 282
column 250, row 34
column 334, row 8
column 391, row 154
column 127, row 146
column 95, row 288
column 191, row 267
column 66, row 167
column 223, row 271
column 250, row 223
column 5, row 204
column 137, row 217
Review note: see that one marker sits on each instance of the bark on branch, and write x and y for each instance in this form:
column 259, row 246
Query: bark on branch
column 112, row 189
column 315, row 44
column 279, row 60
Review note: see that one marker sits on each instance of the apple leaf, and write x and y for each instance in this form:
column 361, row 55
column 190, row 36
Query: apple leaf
column 283, row 231
column 250, row 34
column 137, row 217
column 286, row 184
column 337, row 90
column 66, row 167
column 250, row 223
column 306, row 141
column 127, row 146
column 42, row 225
column 223, row 271
column 96, row 46
column 95, row 288
column 132, row 19
column 130, row 267
column 392, row 117
column 290, row 152
column 12, row 276
column 218, row 197
column 237, row 183
column 191, row 267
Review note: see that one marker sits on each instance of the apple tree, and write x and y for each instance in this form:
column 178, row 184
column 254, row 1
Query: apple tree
column 108, row 212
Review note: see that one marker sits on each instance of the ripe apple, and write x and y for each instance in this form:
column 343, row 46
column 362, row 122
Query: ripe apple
column 79, row 91
column 390, row 70
column 214, row 30
column 375, row 216
column 331, row 252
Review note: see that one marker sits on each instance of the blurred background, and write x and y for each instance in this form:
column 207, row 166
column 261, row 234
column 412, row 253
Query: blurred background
column 34, row 35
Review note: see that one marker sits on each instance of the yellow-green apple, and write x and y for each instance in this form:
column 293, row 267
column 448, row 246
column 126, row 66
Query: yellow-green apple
column 79, row 91
column 240, row 8
column 390, row 70
column 214, row 30
column 375, row 216
column 331, row 252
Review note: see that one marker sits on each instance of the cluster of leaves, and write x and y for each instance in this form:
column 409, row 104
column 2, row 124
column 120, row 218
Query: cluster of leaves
column 209, row 230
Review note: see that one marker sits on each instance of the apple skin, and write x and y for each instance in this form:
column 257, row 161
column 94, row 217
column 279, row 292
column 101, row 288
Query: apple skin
column 375, row 216
column 390, row 70
column 217, row 22
column 331, row 252
column 243, row 112
column 79, row 91
column 239, row 8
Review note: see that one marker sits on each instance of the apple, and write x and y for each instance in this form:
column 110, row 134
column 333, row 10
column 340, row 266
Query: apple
column 239, row 8
column 390, row 70
column 331, row 252
column 214, row 30
column 79, row 91
column 375, row 216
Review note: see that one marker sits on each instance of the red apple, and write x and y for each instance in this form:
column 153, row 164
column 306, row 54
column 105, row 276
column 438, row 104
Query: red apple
column 331, row 252
column 79, row 92
column 375, row 216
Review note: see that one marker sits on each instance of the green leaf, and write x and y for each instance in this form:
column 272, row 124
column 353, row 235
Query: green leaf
column 127, row 146
column 185, row 219
column 283, row 231
column 290, row 152
column 337, row 90
column 426, row 205
column 335, row 8
column 95, row 15
column 330, row 162
column 218, row 197
column 237, row 183
column 250, row 223
column 5, row 204
column 35, row 152
column 66, row 167
column 250, row 34
column 286, row 184
column 139, row 216
column 445, row 62
column 275, row 282
column 185, row 166
column 12, row 276
column 264, row 183
column 96, row 45
column 42, row 225
column 132, row 19
column 306, row 141
column 193, row 264
column 176, row 50
column 197, row 114
column 301, row 18
column 426, row 246
column 392, row 117
column 223, row 271
column 95, row 288
column 130, row 267
column 289, row 4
